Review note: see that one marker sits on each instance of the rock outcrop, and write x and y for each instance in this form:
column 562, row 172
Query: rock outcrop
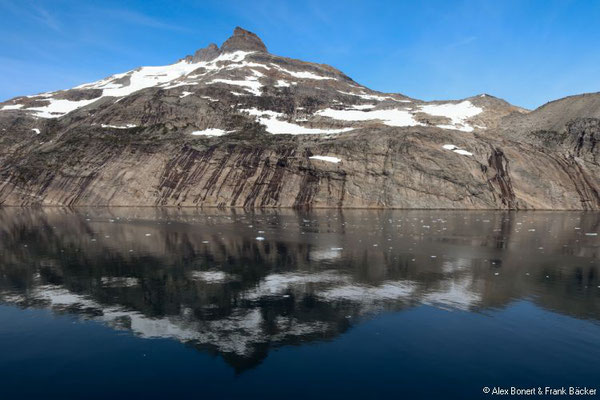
column 237, row 126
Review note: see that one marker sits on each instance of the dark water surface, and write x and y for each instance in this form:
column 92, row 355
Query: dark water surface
column 166, row 303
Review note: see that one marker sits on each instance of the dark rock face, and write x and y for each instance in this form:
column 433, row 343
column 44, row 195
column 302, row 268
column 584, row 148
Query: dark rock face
column 243, row 40
column 206, row 54
column 239, row 127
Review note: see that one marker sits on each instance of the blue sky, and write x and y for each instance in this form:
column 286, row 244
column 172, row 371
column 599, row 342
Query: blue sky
column 527, row 52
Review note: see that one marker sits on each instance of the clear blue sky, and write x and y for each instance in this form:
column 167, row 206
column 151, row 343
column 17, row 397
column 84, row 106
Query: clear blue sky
column 527, row 52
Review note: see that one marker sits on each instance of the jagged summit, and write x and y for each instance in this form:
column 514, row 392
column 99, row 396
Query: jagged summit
column 208, row 53
column 243, row 40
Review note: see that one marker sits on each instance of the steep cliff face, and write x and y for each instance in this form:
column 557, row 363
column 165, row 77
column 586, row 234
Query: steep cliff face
column 236, row 126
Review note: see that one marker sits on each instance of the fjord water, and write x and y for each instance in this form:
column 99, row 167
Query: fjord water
column 164, row 303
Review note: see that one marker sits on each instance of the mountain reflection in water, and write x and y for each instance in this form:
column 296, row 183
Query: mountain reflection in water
column 239, row 284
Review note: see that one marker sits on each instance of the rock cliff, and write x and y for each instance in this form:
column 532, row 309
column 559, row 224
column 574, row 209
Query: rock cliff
column 236, row 126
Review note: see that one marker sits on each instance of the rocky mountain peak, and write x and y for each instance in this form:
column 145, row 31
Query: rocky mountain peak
column 208, row 53
column 243, row 40
column 238, row 127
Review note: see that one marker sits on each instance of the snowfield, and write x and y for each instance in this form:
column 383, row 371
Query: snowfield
column 276, row 126
column 58, row 108
column 210, row 132
column 458, row 114
column 251, row 84
column 390, row 117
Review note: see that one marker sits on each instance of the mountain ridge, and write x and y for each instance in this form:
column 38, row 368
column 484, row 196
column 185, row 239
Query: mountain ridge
column 236, row 126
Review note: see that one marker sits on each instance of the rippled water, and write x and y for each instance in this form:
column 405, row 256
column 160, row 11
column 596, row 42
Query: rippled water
column 109, row 303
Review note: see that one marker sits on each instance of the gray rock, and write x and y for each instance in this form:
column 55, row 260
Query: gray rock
column 206, row 54
column 243, row 130
column 243, row 40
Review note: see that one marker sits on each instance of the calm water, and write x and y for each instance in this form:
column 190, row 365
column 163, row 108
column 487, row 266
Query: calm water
column 115, row 303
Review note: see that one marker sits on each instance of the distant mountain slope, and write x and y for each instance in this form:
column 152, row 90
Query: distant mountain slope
column 237, row 126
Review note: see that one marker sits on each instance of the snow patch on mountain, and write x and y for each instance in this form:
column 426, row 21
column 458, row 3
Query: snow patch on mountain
column 330, row 159
column 274, row 124
column 457, row 150
column 12, row 107
column 210, row 132
column 251, row 84
column 390, row 117
column 126, row 126
column 59, row 107
column 302, row 74
column 124, row 84
column 282, row 83
column 365, row 96
column 457, row 112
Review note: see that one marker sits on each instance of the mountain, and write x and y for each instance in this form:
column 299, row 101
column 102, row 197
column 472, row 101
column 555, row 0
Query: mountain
column 236, row 126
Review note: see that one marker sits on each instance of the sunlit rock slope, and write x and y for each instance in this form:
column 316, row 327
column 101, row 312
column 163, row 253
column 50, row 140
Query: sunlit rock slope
column 236, row 126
